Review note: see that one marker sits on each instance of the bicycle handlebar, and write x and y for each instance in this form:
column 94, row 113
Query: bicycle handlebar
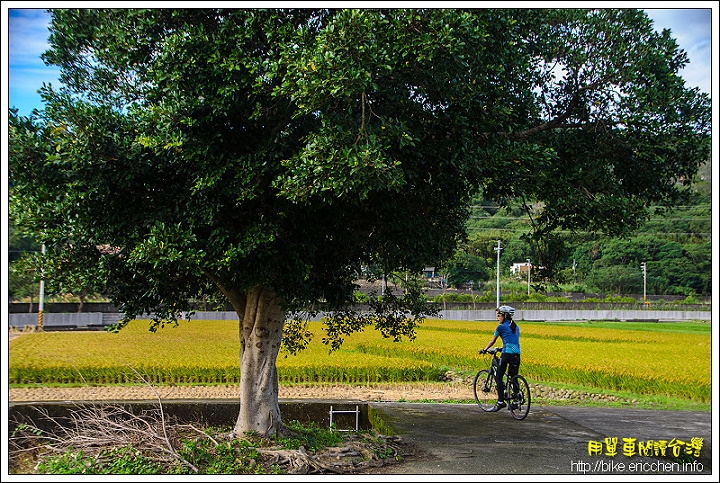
column 492, row 350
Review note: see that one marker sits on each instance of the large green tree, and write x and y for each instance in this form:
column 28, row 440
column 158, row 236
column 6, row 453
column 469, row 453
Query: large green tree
column 466, row 268
column 268, row 155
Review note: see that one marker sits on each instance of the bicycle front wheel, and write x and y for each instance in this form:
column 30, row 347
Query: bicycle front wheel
column 520, row 399
column 485, row 390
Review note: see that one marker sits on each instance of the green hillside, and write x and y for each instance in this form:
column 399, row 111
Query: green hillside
column 676, row 246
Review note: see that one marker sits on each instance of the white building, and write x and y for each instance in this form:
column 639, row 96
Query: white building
column 520, row 268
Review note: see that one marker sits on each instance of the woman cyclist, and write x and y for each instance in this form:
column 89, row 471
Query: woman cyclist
column 509, row 332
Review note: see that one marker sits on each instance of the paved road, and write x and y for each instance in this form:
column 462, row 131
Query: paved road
column 461, row 439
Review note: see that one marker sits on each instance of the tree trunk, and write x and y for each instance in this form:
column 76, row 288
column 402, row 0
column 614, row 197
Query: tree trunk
column 261, row 326
column 81, row 303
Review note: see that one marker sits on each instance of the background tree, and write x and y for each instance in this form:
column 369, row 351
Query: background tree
column 270, row 154
column 23, row 282
column 466, row 268
column 617, row 279
column 19, row 245
column 76, row 274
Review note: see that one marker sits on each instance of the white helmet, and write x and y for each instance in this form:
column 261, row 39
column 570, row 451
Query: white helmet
column 506, row 310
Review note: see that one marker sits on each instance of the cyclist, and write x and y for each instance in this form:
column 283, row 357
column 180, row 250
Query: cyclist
column 509, row 332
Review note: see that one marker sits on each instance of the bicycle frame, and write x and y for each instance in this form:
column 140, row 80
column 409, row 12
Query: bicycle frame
column 492, row 374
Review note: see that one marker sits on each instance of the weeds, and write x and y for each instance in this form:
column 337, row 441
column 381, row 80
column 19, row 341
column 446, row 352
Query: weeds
column 124, row 460
column 106, row 439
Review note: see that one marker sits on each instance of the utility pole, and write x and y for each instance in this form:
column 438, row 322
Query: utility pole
column 643, row 265
column 41, row 304
column 528, row 269
column 574, row 266
column 498, row 250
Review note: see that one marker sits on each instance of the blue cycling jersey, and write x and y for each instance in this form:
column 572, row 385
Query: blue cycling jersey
column 511, row 342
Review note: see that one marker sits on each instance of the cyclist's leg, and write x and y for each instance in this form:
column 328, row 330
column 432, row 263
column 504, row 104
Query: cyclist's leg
column 514, row 369
column 502, row 367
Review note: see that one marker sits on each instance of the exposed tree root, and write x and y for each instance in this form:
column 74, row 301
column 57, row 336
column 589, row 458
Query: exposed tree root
column 358, row 454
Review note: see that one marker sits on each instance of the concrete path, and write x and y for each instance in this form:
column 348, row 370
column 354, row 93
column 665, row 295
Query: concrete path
column 461, row 439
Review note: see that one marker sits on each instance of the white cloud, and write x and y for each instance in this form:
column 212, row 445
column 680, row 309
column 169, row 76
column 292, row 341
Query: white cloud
column 28, row 35
column 692, row 28
column 27, row 39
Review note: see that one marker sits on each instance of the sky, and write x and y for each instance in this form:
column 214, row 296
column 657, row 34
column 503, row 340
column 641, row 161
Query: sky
column 26, row 25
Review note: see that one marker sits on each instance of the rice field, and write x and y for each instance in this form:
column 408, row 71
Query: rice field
column 672, row 359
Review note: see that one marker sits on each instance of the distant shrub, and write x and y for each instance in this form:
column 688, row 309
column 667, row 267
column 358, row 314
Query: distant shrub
column 690, row 299
column 612, row 298
column 454, row 297
column 577, row 288
column 558, row 298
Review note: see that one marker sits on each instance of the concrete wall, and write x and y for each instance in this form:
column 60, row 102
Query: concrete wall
column 52, row 416
column 535, row 315
column 93, row 320
column 56, row 320
column 565, row 315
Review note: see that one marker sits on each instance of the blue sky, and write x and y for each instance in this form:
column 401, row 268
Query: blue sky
column 24, row 72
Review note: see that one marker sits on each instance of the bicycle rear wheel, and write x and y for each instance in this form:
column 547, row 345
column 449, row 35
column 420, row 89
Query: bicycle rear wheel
column 520, row 400
column 485, row 390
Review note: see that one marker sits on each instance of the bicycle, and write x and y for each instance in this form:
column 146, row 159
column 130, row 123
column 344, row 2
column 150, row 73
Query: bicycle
column 485, row 389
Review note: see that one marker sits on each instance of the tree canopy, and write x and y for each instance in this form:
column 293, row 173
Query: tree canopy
column 267, row 155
